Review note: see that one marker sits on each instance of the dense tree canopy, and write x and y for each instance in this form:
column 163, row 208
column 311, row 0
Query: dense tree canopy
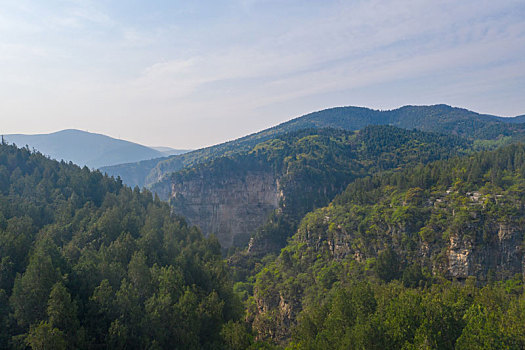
column 89, row 263
column 418, row 255
column 371, row 270
column 314, row 165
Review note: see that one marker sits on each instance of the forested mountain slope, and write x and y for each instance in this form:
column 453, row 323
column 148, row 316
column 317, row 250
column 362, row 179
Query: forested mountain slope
column 87, row 263
column 437, row 118
column 411, row 257
column 291, row 175
column 370, row 270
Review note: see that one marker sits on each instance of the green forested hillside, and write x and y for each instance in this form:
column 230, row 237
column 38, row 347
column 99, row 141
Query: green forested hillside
column 87, row 263
column 311, row 177
column 417, row 255
column 373, row 269
column 370, row 315
column 437, row 118
column 310, row 168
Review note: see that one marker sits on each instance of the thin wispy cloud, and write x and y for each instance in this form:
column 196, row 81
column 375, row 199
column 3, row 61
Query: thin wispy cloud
column 192, row 74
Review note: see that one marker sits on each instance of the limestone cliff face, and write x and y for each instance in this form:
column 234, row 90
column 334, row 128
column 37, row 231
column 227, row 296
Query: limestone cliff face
column 231, row 206
column 503, row 255
column 486, row 248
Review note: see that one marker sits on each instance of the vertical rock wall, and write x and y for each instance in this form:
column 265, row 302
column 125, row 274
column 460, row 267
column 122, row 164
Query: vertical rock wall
column 231, row 207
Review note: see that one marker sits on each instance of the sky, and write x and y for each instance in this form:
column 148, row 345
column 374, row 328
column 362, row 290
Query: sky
column 188, row 74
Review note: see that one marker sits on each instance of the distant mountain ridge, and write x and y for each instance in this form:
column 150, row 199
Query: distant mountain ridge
column 437, row 118
column 168, row 151
column 85, row 148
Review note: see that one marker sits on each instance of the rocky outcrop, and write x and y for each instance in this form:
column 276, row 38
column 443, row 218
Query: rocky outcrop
column 282, row 311
column 483, row 248
column 459, row 255
column 499, row 255
column 231, row 206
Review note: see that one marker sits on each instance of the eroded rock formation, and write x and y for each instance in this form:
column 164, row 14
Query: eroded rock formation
column 231, row 207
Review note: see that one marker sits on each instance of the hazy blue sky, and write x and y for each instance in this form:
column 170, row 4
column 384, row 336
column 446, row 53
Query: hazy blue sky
column 195, row 73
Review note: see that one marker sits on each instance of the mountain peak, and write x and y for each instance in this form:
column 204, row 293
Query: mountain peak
column 440, row 118
column 85, row 148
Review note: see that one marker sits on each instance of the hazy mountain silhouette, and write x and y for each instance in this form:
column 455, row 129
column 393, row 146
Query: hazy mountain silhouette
column 168, row 151
column 85, row 148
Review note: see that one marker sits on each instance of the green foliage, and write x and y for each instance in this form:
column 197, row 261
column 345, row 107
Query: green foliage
column 364, row 315
column 62, row 312
column 438, row 118
column 88, row 263
column 43, row 337
column 236, row 336
column 312, row 166
column 31, row 289
column 392, row 232
column 387, row 265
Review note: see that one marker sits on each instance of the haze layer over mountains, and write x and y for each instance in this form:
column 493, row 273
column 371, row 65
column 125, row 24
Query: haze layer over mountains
column 90, row 149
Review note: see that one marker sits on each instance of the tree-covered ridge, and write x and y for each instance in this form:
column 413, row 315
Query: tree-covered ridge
column 449, row 220
column 88, row 263
column 312, row 166
column 320, row 155
column 437, row 118
column 316, row 168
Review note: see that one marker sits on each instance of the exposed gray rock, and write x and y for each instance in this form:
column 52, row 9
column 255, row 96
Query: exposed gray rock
column 231, row 207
